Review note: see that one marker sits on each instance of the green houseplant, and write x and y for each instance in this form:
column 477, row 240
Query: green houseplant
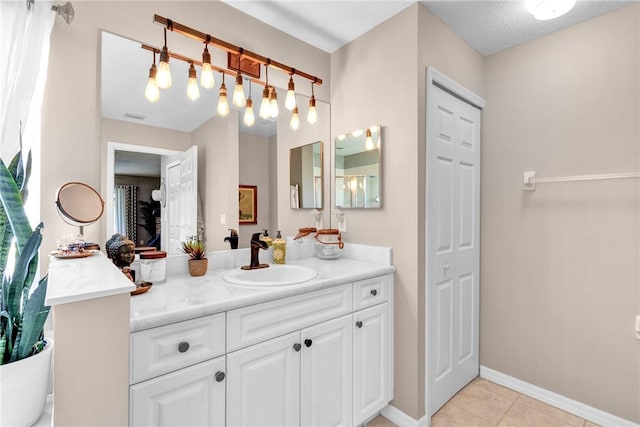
column 25, row 355
column 197, row 251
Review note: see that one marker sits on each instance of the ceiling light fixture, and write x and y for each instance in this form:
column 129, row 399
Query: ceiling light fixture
column 193, row 92
column 295, row 119
column 544, row 10
column 223, row 102
column 290, row 101
column 206, row 75
column 152, row 92
column 163, row 78
column 312, row 114
column 249, row 117
column 265, row 105
column 238, row 92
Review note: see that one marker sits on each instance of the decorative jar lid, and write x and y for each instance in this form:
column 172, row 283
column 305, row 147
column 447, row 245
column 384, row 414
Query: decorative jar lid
column 153, row 254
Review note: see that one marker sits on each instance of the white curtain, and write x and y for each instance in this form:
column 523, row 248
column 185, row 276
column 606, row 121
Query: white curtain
column 24, row 56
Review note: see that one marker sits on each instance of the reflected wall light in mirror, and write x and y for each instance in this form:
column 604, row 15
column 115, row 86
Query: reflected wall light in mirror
column 358, row 173
column 305, row 176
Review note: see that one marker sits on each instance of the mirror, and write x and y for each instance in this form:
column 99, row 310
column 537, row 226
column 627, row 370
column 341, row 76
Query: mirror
column 305, row 176
column 79, row 204
column 229, row 153
column 358, row 169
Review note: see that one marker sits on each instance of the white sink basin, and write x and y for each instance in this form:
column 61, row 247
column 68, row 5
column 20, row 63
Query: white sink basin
column 274, row 275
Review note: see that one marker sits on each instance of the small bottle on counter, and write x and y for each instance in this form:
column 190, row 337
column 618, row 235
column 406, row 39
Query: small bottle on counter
column 266, row 238
column 279, row 249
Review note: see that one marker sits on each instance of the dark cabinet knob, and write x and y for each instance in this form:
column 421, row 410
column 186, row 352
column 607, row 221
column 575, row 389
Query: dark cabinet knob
column 359, row 324
column 374, row 292
column 297, row 346
column 308, row 342
column 183, row 347
column 220, row 376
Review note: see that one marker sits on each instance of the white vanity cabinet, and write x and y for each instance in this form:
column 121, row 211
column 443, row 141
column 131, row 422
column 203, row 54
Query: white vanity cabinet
column 177, row 374
column 321, row 358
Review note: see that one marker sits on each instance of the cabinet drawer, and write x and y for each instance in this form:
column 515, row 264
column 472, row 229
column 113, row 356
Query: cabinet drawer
column 369, row 292
column 167, row 348
column 256, row 323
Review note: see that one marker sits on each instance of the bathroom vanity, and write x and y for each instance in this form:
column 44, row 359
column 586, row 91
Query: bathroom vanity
column 207, row 352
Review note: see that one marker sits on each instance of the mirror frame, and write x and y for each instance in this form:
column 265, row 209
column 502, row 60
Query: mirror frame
column 334, row 176
column 66, row 216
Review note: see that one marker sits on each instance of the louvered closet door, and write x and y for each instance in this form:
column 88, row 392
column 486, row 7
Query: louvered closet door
column 453, row 217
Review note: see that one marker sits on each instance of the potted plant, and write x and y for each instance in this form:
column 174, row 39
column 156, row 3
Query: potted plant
column 198, row 262
column 25, row 355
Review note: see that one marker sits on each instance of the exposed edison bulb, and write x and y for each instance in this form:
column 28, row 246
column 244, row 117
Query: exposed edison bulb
column 193, row 92
column 223, row 102
column 249, row 117
column 273, row 103
column 368, row 142
column 207, row 80
column 265, row 106
column 295, row 119
column 341, row 137
column 239, row 99
column 312, row 114
column 290, row 100
column 163, row 77
column 152, row 92
column 357, row 133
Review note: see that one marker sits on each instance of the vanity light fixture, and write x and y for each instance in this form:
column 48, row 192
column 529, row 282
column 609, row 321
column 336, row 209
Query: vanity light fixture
column 249, row 117
column 290, row 101
column 312, row 114
column 273, row 102
column 368, row 142
column 544, row 10
column 265, row 105
column 238, row 92
column 193, row 92
column 152, row 92
column 206, row 75
column 163, row 78
column 223, row 102
column 295, row 119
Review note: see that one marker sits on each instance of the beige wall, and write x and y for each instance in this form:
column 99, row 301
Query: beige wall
column 71, row 149
column 255, row 170
column 390, row 63
column 560, row 266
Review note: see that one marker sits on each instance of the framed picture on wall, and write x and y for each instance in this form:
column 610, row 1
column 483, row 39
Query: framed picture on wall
column 248, row 204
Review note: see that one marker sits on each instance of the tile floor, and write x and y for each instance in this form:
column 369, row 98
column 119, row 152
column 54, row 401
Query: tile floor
column 485, row 404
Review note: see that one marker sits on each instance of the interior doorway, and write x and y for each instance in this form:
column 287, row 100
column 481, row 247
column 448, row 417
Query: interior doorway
column 452, row 239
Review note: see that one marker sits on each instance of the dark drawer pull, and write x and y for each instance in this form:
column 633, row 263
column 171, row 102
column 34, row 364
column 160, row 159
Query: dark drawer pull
column 374, row 292
column 359, row 324
column 183, row 347
column 297, row 346
column 220, row 376
column 308, row 342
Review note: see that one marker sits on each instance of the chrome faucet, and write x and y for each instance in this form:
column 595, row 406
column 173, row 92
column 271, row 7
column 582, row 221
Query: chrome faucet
column 256, row 245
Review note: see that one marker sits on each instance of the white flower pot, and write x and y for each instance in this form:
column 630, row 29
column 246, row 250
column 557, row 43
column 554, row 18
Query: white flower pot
column 23, row 388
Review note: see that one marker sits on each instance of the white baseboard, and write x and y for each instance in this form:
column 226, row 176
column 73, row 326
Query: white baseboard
column 403, row 420
column 574, row 407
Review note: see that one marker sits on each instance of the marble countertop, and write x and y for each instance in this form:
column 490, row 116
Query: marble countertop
column 80, row 279
column 184, row 297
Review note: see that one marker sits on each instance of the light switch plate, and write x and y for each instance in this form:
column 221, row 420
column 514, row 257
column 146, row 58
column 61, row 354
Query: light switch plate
column 638, row 326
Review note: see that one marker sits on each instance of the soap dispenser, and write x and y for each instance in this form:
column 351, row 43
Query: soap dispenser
column 279, row 249
column 266, row 238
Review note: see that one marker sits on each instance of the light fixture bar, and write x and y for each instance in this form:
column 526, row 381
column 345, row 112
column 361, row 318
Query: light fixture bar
column 221, row 44
column 199, row 63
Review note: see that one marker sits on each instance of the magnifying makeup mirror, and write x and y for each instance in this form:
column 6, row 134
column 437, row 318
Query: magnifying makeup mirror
column 79, row 204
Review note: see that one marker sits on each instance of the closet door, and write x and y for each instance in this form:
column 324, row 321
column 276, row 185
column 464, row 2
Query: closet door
column 453, row 254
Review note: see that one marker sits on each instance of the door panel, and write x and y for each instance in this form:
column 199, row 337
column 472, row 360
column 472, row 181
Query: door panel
column 453, row 198
column 182, row 208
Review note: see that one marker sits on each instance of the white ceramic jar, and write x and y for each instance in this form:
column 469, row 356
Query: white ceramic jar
column 153, row 266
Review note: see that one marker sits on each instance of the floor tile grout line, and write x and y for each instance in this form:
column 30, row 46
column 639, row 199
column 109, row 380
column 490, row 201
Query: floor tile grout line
column 507, row 411
column 467, row 411
column 584, row 421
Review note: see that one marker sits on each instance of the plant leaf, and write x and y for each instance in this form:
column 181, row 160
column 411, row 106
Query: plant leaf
column 13, row 206
column 24, row 272
column 5, row 240
column 34, row 315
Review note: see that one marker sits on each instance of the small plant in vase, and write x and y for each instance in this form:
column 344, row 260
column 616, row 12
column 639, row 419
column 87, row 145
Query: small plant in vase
column 197, row 251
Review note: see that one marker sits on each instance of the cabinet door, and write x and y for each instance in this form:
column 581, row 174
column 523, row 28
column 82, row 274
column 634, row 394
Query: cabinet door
column 326, row 374
column 193, row 396
column 370, row 362
column 263, row 383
